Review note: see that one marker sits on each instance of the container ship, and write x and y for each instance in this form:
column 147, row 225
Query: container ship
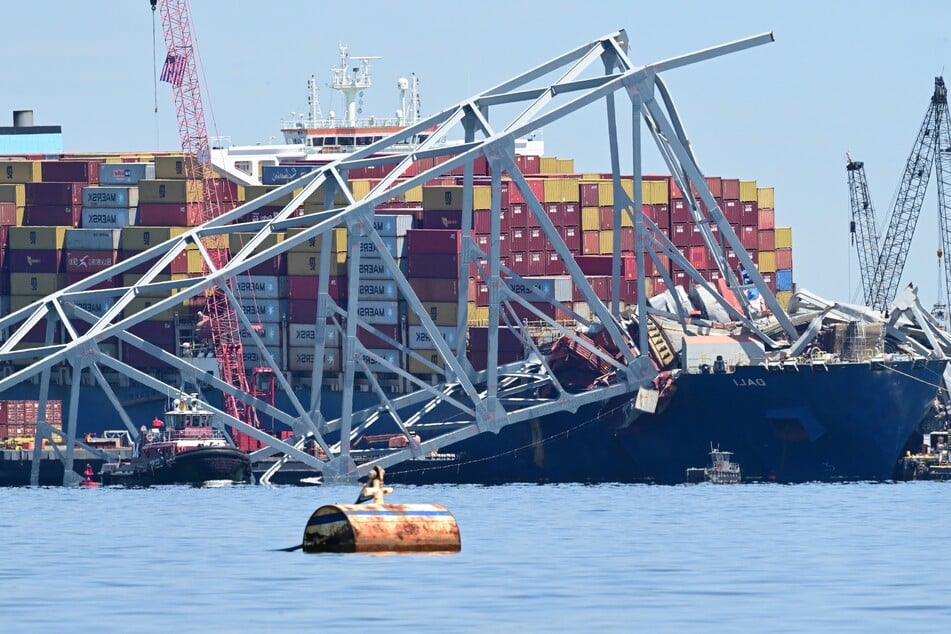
column 65, row 217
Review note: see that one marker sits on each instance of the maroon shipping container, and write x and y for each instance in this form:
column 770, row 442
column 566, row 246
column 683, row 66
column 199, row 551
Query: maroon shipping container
column 35, row 260
column 555, row 212
column 435, row 289
column 480, row 358
column 544, row 308
column 528, row 164
column 85, row 172
column 679, row 211
column 733, row 211
column 537, row 261
column 482, row 221
column 766, row 219
column 479, row 340
column 537, row 240
column 715, row 185
column 52, row 215
column 749, row 214
column 519, row 239
column 58, row 194
column 227, row 190
column 169, row 214
column 590, row 242
column 8, row 217
column 302, row 311
column 602, row 265
column 442, row 219
column 519, row 262
column 696, row 236
column 705, row 211
column 784, row 258
column 770, row 279
column 767, row 239
column 572, row 238
column 273, row 266
column 111, row 282
column 749, row 237
column 680, row 234
column 4, row 236
column 731, row 188
column 518, row 215
column 370, row 340
column 423, row 264
column 484, row 242
column 305, row 287
column 588, row 193
column 571, row 215
column 77, row 261
column 697, row 256
column 433, row 241
column 600, row 284
column 160, row 333
column 554, row 264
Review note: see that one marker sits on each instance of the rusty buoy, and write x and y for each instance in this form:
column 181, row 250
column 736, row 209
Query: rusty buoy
column 365, row 528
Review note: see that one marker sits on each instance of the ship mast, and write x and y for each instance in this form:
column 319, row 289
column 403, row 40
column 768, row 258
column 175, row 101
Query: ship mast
column 351, row 82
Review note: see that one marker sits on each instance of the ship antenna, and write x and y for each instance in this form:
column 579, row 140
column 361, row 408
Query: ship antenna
column 313, row 100
column 417, row 105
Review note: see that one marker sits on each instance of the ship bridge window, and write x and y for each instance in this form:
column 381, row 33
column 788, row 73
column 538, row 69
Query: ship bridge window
column 243, row 166
column 317, row 141
column 346, row 140
column 423, row 137
column 331, row 140
column 364, row 140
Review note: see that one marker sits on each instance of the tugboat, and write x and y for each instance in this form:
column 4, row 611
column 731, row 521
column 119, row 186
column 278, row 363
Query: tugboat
column 722, row 469
column 183, row 449
column 933, row 462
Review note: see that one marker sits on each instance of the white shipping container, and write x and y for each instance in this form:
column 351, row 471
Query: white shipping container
column 374, row 269
column 419, row 339
column 379, row 312
column 270, row 334
column 254, row 358
column 392, row 356
column 557, row 287
column 92, row 239
column 125, row 173
column 264, row 310
column 394, row 245
column 392, row 226
column 99, row 197
column 95, row 306
column 378, row 290
column 109, row 218
column 302, row 359
column 306, row 335
column 253, row 287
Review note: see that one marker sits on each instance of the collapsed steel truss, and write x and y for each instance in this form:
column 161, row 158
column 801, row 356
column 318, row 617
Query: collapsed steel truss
column 483, row 401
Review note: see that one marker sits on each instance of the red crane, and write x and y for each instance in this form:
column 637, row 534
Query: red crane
column 181, row 72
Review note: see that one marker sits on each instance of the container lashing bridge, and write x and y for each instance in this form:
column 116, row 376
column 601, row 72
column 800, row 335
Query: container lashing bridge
column 479, row 401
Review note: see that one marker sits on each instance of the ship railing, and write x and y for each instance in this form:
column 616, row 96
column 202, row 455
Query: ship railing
column 366, row 122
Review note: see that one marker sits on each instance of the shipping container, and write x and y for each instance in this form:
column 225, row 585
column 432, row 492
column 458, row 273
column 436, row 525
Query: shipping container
column 442, row 313
column 170, row 191
column 302, row 360
column 13, row 193
column 306, row 335
column 125, row 173
column 108, row 218
column 174, row 167
column 377, row 290
column 338, row 241
column 64, row 171
column 305, row 287
column 392, row 358
column 87, row 261
column 264, row 310
column 423, row 264
column 395, row 246
column 159, row 332
column 784, row 280
column 20, row 171
column 91, row 239
column 784, row 237
column 269, row 333
column 110, row 197
column 533, row 289
column 766, row 219
column 441, row 219
column 35, row 260
column 36, row 284
column 260, row 286
column 433, row 241
column 283, row 174
column 766, row 262
column 434, row 289
column 54, row 194
column 142, row 238
column 747, row 191
column 253, row 357
column 309, row 263
column 484, row 243
column 52, row 215
column 379, row 312
column 765, row 197
column 784, row 259
column 419, row 339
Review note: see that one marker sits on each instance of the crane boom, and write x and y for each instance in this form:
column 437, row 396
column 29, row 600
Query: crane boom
column 943, row 176
column 181, row 71
column 863, row 225
column 911, row 194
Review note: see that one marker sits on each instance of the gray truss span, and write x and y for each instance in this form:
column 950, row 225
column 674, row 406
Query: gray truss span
column 479, row 402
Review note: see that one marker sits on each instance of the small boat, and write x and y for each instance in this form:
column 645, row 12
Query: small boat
column 183, row 449
column 932, row 462
column 722, row 469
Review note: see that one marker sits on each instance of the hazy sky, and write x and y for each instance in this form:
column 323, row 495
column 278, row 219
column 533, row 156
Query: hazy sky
column 840, row 76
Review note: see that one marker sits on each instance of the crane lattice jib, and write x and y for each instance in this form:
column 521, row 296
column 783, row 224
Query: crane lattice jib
column 911, row 194
column 943, row 176
column 181, row 71
column 864, row 227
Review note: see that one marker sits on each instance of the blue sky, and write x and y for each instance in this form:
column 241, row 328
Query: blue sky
column 840, row 77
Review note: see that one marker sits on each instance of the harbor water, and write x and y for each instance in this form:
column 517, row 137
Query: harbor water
column 765, row 558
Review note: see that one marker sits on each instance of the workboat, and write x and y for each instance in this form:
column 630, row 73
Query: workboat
column 722, row 469
column 183, row 449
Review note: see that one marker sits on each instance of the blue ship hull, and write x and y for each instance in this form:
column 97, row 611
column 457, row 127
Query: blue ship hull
column 846, row 422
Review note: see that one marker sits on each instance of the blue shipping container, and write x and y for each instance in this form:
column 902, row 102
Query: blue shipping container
column 110, row 197
column 108, row 218
column 125, row 173
column 281, row 174
column 784, row 280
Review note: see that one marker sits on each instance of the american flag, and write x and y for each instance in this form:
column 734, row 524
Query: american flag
column 173, row 71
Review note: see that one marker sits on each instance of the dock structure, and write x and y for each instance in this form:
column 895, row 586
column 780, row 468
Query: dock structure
column 470, row 402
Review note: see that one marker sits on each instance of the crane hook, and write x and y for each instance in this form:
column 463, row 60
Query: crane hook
column 153, row 3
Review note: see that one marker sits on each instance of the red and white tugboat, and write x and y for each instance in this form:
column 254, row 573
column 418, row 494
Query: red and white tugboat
column 184, row 449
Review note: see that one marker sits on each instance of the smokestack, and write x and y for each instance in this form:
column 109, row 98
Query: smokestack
column 22, row 118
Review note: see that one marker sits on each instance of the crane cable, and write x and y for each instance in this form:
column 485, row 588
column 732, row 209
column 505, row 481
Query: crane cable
column 155, row 121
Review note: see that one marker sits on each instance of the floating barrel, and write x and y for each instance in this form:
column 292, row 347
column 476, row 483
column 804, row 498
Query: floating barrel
column 362, row 528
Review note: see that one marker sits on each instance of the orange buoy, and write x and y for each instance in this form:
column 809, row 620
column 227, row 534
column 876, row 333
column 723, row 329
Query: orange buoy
column 363, row 528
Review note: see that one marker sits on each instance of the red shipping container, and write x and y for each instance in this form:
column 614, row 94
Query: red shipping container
column 482, row 221
column 52, row 215
column 537, row 187
column 227, row 190
column 8, row 217
column 433, row 241
column 479, row 293
column 537, row 262
column 730, row 188
column 767, row 239
column 480, row 358
column 554, row 265
column 715, row 185
column 88, row 261
column 680, row 278
column 484, row 242
column 479, row 340
column 442, row 219
column 111, row 282
column 600, row 284
column 159, row 332
column 537, row 240
column 555, row 212
column 435, row 289
column 519, row 239
column 660, row 285
column 660, row 214
column 305, row 287
column 432, row 264
column 627, row 239
column 680, row 212
column 766, row 219
column 697, row 256
column 680, row 234
column 590, row 242
column 588, row 192
column 528, row 164
column 370, row 340
column 770, row 279
column 572, row 238
column 57, row 194
column 519, row 263
column 696, row 236
column 35, row 260
column 749, row 214
column 77, row 171
column 606, row 217
column 518, row 216
column 732, row 211
column 784, row 258
column 749, row 237
column 169, row 214
column 570, row 215
column 705, row 211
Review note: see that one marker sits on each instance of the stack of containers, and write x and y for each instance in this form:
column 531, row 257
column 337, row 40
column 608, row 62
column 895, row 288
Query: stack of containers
column 784, row 265
column 36, row 270
column 7, row 219
column 18, row 419
column 766, row 233
column 432, row 270
column 113, row 204
column 302, row 266
column 57, row 199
